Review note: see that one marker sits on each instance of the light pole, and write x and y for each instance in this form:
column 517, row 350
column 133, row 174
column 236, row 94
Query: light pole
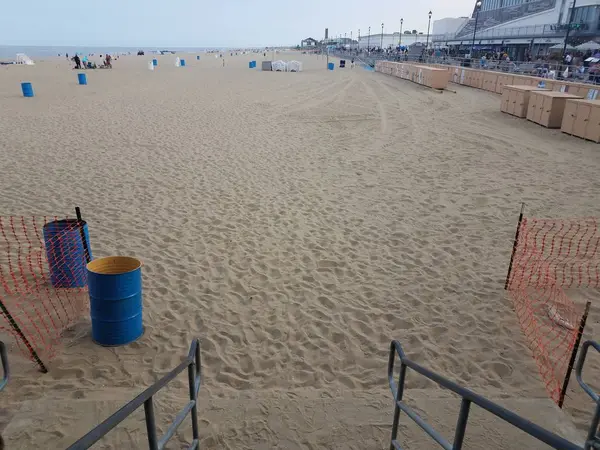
column 428, row 25
column 477, row 8
column 359, row 39
column 400, row 39
column 369, row 41
column 351, row 43
column 569, row 28
column 381, row 46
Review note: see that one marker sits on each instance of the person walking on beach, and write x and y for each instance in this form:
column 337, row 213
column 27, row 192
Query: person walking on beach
column 77, row 61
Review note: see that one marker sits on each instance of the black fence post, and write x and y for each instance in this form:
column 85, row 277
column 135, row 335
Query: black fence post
column 23, row 338
column 563, row 391
column 515, row 244
column 80, row 224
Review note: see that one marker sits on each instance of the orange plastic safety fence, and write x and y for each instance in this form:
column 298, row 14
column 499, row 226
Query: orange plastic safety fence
column 36, row 293
column 552, row 255
column 565, row 252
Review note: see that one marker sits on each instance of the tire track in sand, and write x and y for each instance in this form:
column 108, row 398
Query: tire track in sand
column 383, row 124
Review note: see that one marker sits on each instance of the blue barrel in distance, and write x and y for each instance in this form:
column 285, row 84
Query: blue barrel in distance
column 250, row 65
column 198, row 57
column 65, row 252
column 330, row 66
column 115, row 288
column 82, row 78
column 182, row 61
column 155, row 62
column 27, row 89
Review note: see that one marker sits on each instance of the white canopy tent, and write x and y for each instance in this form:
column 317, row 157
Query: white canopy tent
column 591, row 45
column 22, row 58
column 561, row 46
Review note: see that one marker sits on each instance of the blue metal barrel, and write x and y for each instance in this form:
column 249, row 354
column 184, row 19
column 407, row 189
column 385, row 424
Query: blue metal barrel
column 115, row 288
column 27, row 89
column 198, row 57
column 182, row 61
column 155, row 62
column 65, row 252
column 82, row 78
column 250, row 65
column 331, row 66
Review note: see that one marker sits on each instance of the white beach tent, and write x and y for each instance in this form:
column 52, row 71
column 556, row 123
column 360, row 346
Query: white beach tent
column 279, row 66
column 294, row 66
column 591, row 45
column 22, row 58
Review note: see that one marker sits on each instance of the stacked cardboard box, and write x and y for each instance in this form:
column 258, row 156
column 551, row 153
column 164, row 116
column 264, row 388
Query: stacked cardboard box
column 573, row 107
column 547, row 108
column 432, row 77
column 495, row 81
column 515, row 99
column 582, row 118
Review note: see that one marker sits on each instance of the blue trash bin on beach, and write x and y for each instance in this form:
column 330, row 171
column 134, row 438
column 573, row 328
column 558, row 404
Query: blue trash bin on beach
column 65, row 252
column 155, row 62
column 115, row 289
column 27, row 89
column 82, row 78
column 198, row 57
column 331, row 66
column 182, row 61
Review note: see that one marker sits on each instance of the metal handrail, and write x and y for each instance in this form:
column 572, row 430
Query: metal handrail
column 591, row 438
column 194, row 365
column 553, row 440
column 5, row 368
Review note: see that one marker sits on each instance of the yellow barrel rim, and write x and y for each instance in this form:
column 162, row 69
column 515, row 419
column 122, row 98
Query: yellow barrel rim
column 114, row 265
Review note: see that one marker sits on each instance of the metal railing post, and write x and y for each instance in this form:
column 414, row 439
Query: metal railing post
column 592, row 437
column 193, row 364
column 5, row 368
column 194, row 398
column 399, row 394
column 551, row 439
column 461, row 425
column 150, row 424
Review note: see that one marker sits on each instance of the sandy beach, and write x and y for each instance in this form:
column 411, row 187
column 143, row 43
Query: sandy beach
column 296, row 223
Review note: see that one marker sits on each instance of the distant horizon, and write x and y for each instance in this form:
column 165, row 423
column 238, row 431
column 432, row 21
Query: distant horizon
column 143, row 47
column 45, row 51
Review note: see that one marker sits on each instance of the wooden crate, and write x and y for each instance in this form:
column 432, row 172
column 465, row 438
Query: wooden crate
column 547, row 107
column 479, row 77
column 504, row 80
column 515, row 99
column 490, row 79
column 582, row 118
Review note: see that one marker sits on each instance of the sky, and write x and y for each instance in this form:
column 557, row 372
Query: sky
column 209, row 23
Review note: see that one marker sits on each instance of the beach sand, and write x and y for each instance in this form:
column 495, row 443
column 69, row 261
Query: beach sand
column 296, row 223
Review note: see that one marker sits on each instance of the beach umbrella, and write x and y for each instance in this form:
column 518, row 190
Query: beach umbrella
column 560, row 47
column 591, row 45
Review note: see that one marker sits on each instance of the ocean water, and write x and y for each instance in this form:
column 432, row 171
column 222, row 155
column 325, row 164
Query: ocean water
column 8, row 53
